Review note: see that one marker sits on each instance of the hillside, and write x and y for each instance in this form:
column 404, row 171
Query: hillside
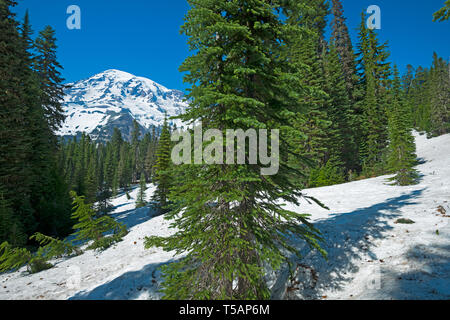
column 370, row 255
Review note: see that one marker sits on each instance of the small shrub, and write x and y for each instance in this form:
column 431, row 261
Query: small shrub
column 404, row 221
column 13, row 258
column 90, row 227
column 38, row 264
column 54, row 248
column 326, row 176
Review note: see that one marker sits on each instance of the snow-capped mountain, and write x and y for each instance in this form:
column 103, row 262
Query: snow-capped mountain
column 115, row 98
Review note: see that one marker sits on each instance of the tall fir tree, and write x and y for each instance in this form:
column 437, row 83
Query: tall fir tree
column 140, row 201
column 419, row 99
column 374, row 79
column 342, row 41
column 91, row 181
column 310, row 140
column 162, row 173
column 342, row 149
column 227, row 217
column 20, row 121
column 439, row 96
column 48, row 69
column 402, row 147
column 135, row 156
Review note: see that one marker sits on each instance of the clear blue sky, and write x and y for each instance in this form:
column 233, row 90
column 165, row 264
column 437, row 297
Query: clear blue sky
column 142, row 36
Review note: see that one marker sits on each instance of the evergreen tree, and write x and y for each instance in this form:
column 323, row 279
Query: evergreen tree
column 342, row 150
column 91, row 181
column 135, row 149
column 341, row 39
column 48, row 68
column 20, row 122
column 402, row 147
column 26, row 33
column 149, row 161
column 162, row 175
column 227, row 217
column 408, row 79
column 12, row 257
column 439, row 96
column 310, row 140
column 419, row 98
column 313, row 17
column 90, row 227
column 140, row 201
column 109, row 168
column 10, row 230
column 374, row 73
column 104, row 205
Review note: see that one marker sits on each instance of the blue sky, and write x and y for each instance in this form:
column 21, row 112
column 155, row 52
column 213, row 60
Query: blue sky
column 142, row 36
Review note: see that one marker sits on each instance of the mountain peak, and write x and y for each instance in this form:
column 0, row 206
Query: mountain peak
column 117, row 72
column 114, row 98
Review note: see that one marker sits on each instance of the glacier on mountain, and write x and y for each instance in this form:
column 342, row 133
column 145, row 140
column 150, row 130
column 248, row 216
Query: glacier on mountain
column 115, row 98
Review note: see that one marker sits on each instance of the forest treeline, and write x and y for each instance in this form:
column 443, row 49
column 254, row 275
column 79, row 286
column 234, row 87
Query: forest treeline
column 33, row 193
column 38, row 169
column 343, row 110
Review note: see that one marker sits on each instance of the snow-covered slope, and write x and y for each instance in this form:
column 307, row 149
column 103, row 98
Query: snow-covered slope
column 114, row 98
column 370, row 255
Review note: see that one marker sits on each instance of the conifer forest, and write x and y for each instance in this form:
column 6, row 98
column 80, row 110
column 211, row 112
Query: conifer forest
column 307, row 156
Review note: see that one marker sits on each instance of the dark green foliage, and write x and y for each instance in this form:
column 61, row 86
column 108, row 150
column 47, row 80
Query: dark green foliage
column 37, row 265
column 428, row 97
column 310, row 139
column 439, row 96
column 255, row 65
column 91, row 227
column 104, row 205
column 47, row 68
column 309, row 143
column 418, row 98
column 100, row 171
column 228, row 221
column 443, row 13
column 404, row 221
column 12, row 257
column 53, row 248
column 28, row 167
column 342, row 148
column 140, row 201
column 162, row 170
column 344, row 48
column 326, row 133
column 326, row 176
column 136, row 163
column 402, row 157
column 374, row 73
column 10, row 228
column 15, row 141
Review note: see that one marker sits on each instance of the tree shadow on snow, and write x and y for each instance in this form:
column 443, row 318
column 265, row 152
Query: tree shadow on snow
column 144, row 284
column 348, row 239
column 133, row 217
column 427, row 279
